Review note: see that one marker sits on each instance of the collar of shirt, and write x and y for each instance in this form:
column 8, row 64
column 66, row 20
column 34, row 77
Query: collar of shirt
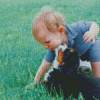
column 71, row 33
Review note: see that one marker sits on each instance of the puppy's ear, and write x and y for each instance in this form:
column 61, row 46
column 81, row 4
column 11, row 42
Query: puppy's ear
column 60, row 56
column 71, row 50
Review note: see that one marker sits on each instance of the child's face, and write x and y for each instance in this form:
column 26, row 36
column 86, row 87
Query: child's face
column 48, row 39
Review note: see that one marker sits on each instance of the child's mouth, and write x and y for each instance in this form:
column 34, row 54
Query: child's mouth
column 52, row 49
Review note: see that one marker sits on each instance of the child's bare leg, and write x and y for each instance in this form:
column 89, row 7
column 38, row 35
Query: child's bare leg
column 96, row 68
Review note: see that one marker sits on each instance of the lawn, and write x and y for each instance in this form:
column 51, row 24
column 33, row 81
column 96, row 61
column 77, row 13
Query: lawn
column 20, row 54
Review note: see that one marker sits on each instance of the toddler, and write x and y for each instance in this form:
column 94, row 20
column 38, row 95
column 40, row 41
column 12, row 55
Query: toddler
column 50, row 30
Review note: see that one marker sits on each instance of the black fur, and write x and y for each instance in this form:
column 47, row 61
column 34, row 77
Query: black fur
column 72, row 83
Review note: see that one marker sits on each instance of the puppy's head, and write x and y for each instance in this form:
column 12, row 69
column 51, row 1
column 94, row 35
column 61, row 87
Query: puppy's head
column 67, row 57
column 68, row 60
column 70, row 56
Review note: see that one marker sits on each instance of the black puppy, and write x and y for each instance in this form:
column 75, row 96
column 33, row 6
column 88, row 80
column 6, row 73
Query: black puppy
column 65, row 77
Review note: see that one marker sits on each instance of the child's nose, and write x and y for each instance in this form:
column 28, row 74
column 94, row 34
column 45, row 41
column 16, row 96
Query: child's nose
column 45, row 46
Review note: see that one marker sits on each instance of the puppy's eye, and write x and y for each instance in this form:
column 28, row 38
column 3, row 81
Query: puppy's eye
column 71, row 50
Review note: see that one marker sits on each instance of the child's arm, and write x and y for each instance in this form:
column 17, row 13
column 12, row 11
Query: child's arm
column 42, row 69
column 92, row 33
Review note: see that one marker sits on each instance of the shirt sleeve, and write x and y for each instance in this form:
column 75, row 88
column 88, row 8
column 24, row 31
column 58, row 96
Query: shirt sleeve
column 49, row 57
column 81, row 26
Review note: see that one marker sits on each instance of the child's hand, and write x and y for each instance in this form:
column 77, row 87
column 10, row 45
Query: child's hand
column 89, row 36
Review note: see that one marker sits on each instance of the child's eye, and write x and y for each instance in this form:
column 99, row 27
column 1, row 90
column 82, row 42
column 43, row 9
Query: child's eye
column 47, row 42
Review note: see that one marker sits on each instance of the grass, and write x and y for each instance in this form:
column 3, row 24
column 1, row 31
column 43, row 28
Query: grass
column 20, row 54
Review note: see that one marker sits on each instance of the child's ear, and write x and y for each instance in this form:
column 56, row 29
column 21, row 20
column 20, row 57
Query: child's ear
column 61, row 30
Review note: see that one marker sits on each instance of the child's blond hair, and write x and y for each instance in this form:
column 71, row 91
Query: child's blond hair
column 52, row 20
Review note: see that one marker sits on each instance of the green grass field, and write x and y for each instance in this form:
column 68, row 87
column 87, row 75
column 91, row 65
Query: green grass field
column 20, row 54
